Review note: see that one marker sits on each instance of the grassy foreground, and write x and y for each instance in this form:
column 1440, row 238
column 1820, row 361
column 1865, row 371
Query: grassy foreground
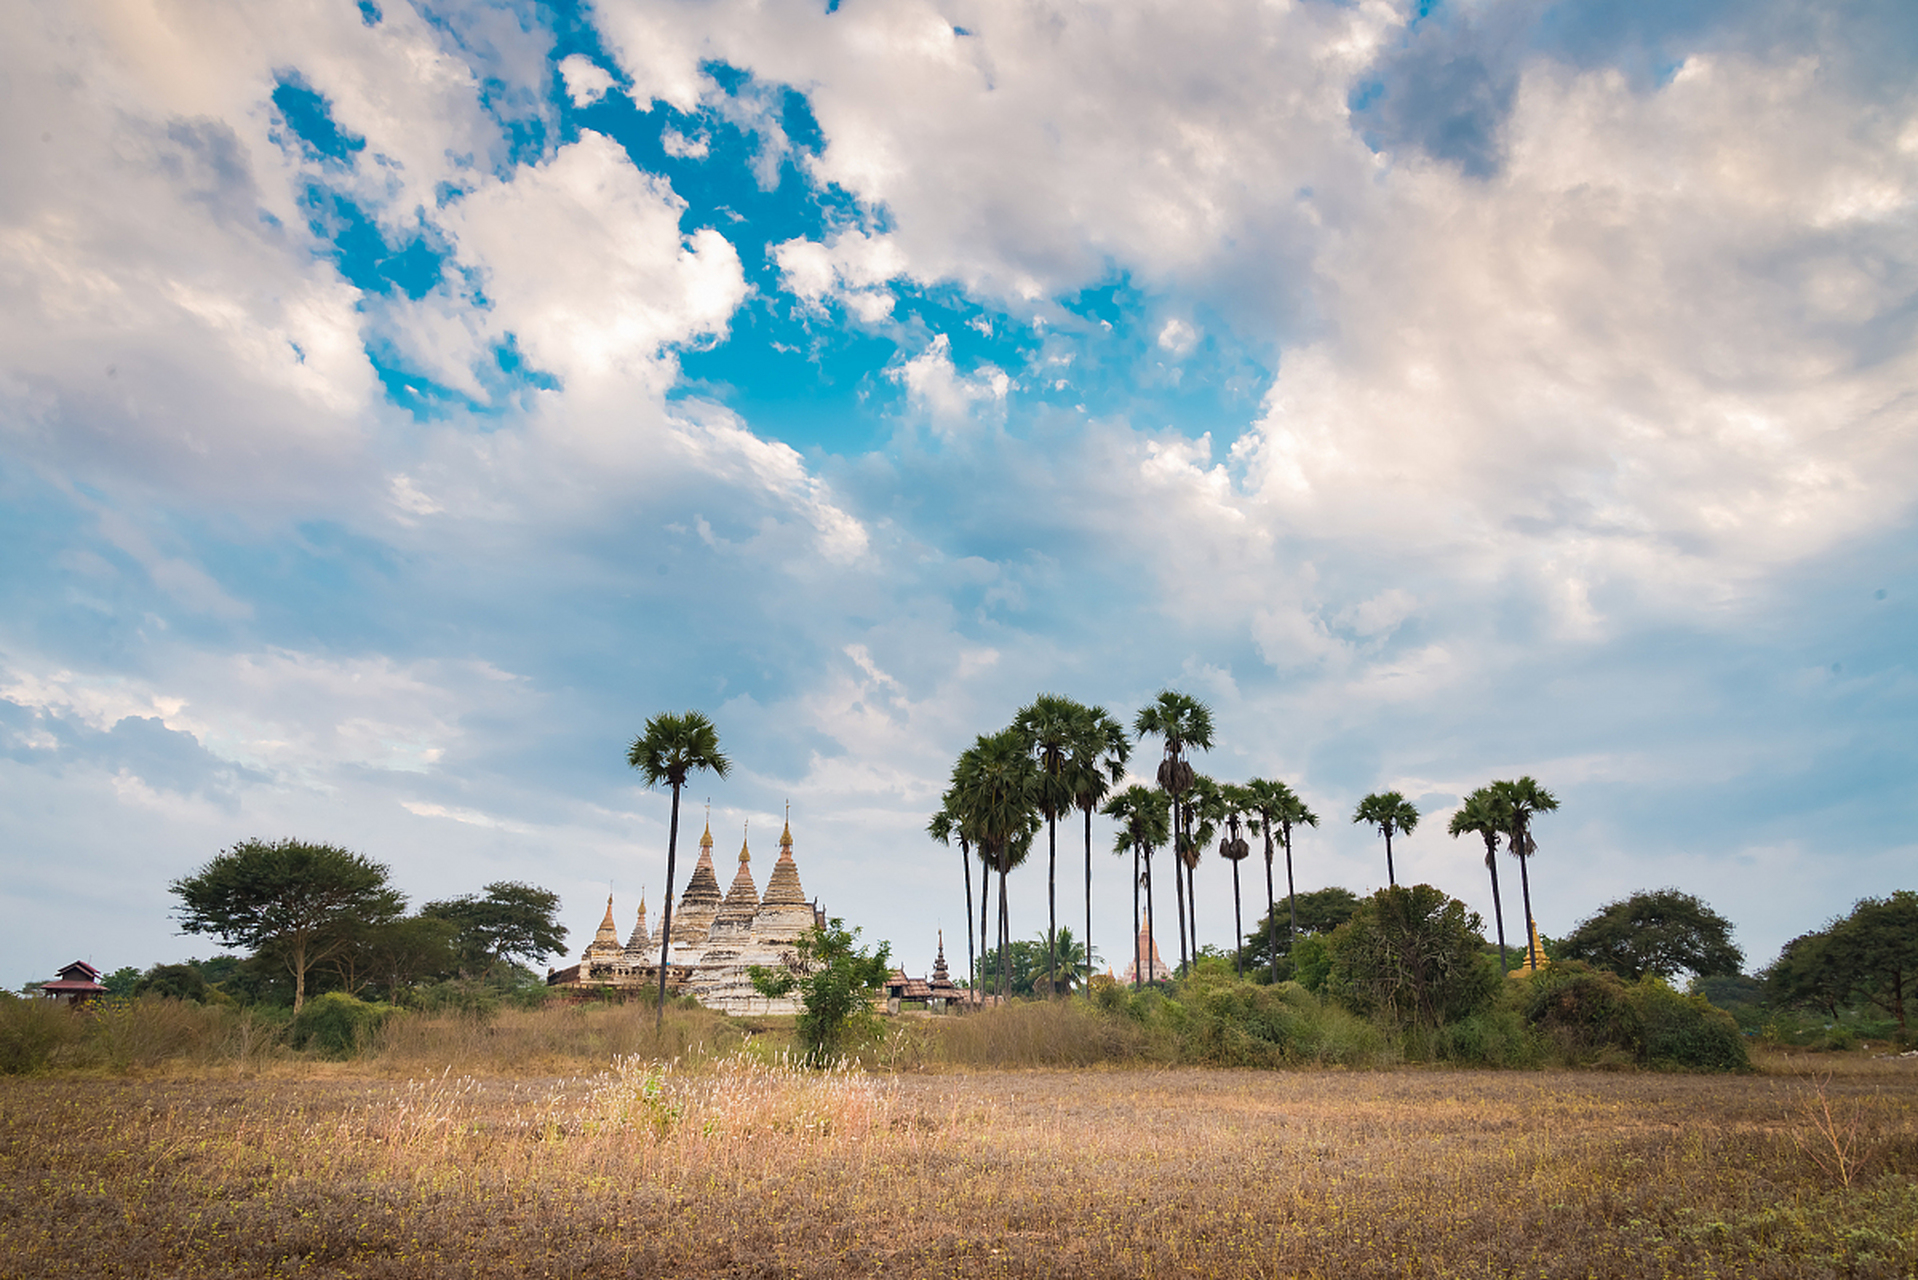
column 740, row 1165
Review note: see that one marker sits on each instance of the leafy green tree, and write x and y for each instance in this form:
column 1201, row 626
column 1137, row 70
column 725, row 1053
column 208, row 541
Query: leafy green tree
column 836, row 982
column 1524, row 800
column 1659, row 931
column 286, row 896
column 1391, row 813
column 121, row 981
column 672, row 746
column 1871, row 954
column 175, row 982
column 1183, row 724
column 512, row 921
column 996, row 786
column 1062, row 964
column 1318, row 912
column 405, row 952
column 1412, row 954
column 1047, row 728
column 1276, row 807
column 1486, row 815
column 1145, row 825
column 1100, row 748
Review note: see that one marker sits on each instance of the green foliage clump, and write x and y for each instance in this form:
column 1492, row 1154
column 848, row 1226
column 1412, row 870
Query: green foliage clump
column 33, row 1032
column 836, row 982
column 1663, row 932
column 1412, row 956
column 1687, row 1032
column 338, row 1025
column 1590, row 1016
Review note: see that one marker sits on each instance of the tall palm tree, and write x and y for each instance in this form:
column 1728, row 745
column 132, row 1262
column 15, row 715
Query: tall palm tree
column 997, row 787
column 1525, row 799
column 945, row 827
column 1048, row 727
column 1183, row 724
column 1143, row 827
column 1484, row 814
column 672, row 745
column 1278, row 807
column 1390, row 812
column 1204, row 811
column 1234, row 849
column 1099, row 751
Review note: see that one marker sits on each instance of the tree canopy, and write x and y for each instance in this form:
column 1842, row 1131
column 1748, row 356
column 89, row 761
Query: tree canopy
column 1658, row 931
column 1413, row 954
column 510, row 921
column 287, row 897
column 1871, row 955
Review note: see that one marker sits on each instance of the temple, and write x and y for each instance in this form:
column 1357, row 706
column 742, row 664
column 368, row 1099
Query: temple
column 716, row 940
column 1156, row 970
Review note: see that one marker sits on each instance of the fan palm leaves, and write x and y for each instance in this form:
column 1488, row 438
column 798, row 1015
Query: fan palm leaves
column 1144, row 826
column 1484, row 814
column 1276, row 806
column 1524, row 799
column 672, row 745
column 1183, row 724
column 1237, row 802
column 1392, row 814
column 945, row 827
column 1099, row 750
column 1049, row 728
column 997, row 791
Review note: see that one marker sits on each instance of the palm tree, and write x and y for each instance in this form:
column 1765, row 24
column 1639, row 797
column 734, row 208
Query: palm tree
column 673, row 745
column 1143, row 827
column 1485, row 814
column 997, row 787
column 1278, row 806
column 1234, row 849
column 944, row 827
column 1099, row 751
column 1183, row 723
column 1048, row 727
column 1204, row 811
column 1525, row 798
column 1389, row 812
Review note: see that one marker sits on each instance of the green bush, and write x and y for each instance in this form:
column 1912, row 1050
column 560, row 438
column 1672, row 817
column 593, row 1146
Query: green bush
column 33, row 1032
column 1687, row 1031
column 338, row 1025
column 1587, row 1015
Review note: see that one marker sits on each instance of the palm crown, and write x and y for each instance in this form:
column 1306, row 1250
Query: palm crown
column 1392, row 814
column 673, row 745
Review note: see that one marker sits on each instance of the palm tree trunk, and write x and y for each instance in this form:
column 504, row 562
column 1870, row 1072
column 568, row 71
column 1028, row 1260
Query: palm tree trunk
column 1005, row 931
column 1178, row 885
column 1271, row 909
column 1148, row 912
column 666, row 912
column 1390, row 878
column 1291, row 894
column 1052, row 903
column 1088, row 986
column 1525, row 886
column 1138, row 964
column 965, row 860
column 985, row 906
column 1498, row 911
column 1238, row 924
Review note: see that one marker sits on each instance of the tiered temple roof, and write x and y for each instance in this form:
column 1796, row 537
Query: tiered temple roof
column 699, row 905
column 639, row 943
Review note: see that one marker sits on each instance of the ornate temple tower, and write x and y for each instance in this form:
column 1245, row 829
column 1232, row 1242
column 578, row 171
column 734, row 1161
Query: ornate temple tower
column 734, row 923
column 699, row 905
column 639, row 943
column 784, row 913
column 604, row 950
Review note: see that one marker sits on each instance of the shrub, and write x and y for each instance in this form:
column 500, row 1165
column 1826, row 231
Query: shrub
column 338, row 1025
column 1412, row 955
column 33, row 1032
column 1586, row 1014
column 1686, row 1031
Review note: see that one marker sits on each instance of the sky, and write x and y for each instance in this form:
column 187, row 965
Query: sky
column 402, row 402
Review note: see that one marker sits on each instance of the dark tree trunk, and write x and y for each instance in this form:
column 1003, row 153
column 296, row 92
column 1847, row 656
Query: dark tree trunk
column 1138, row 964
column 1271, row 909
column 1525, row 887
column 985, row 908
column 1088, row 986
column 1291, row 889
column 666, row 912
column 1178, row 886
column 1238, row 925
column 1498, row 910
column 1390, row 878
column 1005, row 932
column 1052, row 905
column 1149, row 931
column 965, row 859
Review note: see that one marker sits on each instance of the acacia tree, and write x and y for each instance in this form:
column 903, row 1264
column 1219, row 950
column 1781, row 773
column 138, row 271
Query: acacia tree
column 1661, row 931
column 1099, row 751
column 1488, row 816
column 672, row 746
column 1183, row 724
column 1523, row 800
column 1143, row 827
column 287, row 897
column 1390, row 812
column 1870, row 954
column 512, row 921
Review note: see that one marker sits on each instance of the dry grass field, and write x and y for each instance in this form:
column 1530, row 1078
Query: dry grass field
column 742, row 1166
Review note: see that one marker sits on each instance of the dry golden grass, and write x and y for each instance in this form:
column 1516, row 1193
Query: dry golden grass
column 746, row 1166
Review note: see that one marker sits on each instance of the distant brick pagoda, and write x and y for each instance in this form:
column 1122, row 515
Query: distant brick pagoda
column 716, row 941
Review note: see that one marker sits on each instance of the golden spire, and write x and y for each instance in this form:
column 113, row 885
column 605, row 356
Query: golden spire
column 706, row 841
column 744, row 854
